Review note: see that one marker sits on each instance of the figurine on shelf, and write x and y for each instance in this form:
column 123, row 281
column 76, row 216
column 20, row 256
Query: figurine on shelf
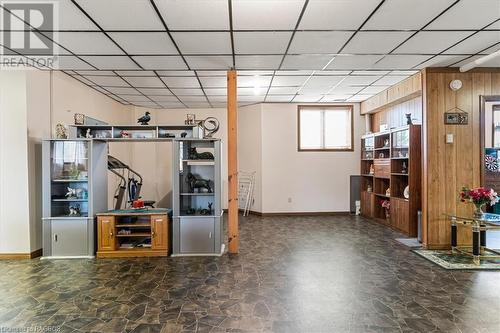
column 190, row 211
column 381, row 155
column 404, row 168
column 369, row 188
column 183, row 134
column 61, row 131
column 408, row 119
column 207, row 211
column 372, row 170
column 169, row 135
column 74, row 210
column 194, row 155
column 124, row 135
column 71, row 194
column 198, row 183
column 388, row 192
column 88, row 134
column 400, row 154
column 386, row 143
column 144, row 120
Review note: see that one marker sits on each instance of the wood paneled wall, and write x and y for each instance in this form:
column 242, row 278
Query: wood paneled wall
column 395, row 116
column 448, row 167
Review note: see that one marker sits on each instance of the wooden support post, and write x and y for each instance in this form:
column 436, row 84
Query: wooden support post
column 232, row 158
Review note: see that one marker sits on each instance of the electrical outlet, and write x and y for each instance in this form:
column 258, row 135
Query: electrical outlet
column 289, row 200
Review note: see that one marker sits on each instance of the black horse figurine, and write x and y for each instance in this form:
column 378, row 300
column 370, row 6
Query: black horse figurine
column 198, row 183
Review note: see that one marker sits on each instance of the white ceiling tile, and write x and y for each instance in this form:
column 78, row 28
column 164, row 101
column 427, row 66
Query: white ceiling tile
column 375, row 42
column 215, row 91
column 314, row 90
column 441, row 61
column 172, row 105
column 123, row 91
column 97, row 73
column 342, row 90
column 404, row 73
column 373, row 89
column 144, row 42
column 252, row 99
column 254, row 81
column 122, row 14
column 283, row 90
column 400, row 61
column 161, row 62
column 332, row 73
column 181, row 82
column 406, row 14
column 146, row 82
column 155, row 91
column 261, row 42
column 135, row 73
column 71, row 62
column 213, row 82
column 390, row 80
column 213, row 73
column 187, row 92
column 71, row 18
column 147, row 104
column 335, row 98
column 359, row 98
column 101, row 90
column 323, row 81
column 307, row 61
column 431, row 42
column 210, row 62
column 495, row 25
column 364, row 73
column 163, row 98
column 111, row 62
column 294, row 72
column 251, row 91
column 266, row 15
column 475, row 43
column 258, row 61
column 84, row 80
column 193, row 99
column 318, row 41
column 279, row 98
column 307, row 98
column 468, row 14
column 88, row 43
column 337, row 14
column 175, row 73
column 359, row 80
column 492, row 49
column 289, row 80
column 135, row 98
column 197, row 105
column 217, row 98
column 203, row 42
column 354, row 62
column 491, row 63
column 112, row 81
column 195, row 14
column 242, row 73
column 219, row 105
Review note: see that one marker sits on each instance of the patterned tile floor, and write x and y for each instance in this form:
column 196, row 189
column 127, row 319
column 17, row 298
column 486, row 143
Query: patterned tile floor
column 293, row 274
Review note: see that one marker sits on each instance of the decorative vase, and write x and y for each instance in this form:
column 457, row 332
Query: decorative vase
column 478, row 212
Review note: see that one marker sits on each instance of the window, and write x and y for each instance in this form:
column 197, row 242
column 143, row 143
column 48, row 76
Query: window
column 327, row 128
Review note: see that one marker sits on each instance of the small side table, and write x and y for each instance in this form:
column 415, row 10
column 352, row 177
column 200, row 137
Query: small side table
column 479, row 226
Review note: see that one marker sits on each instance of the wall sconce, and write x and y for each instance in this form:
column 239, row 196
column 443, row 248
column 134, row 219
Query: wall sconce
column 455, row 85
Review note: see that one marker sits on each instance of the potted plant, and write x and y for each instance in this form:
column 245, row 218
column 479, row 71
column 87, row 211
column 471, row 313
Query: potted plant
column 479, row 197
column 386, row 204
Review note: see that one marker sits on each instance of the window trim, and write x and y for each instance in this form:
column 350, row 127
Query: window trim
column 350, row 107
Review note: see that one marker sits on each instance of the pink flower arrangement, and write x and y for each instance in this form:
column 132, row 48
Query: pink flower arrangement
column 479, row 196
column 386, row 204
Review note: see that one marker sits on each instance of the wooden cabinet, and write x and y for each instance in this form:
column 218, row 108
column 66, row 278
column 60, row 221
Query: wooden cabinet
column 133, row 234
column 159, row 232
column 366, row 203
column 400, row 218
column 106, row 233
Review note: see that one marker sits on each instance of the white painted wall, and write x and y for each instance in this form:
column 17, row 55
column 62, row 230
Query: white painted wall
column 313, row 181
column 14, row 188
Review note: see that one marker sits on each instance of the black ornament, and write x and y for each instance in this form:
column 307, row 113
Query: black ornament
column 144, row 120
column 408, row 119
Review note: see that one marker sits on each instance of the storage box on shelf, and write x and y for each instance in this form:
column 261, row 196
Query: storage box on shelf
column 129, row 233
column 197, row 213
column 74, row 189
column 396, row 170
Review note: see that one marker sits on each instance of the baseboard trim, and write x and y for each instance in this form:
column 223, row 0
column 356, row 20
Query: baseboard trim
column 299, row 214
column 21, row 256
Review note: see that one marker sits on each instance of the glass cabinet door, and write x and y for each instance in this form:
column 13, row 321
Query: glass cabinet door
column 69, row 178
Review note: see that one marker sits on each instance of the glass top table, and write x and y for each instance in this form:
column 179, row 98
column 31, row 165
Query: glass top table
column 479, row 226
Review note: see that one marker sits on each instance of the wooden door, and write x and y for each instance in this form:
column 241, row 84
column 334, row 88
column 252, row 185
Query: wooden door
column 106, row 233
column 367, row 204
column 159, row 232
column 400, row 215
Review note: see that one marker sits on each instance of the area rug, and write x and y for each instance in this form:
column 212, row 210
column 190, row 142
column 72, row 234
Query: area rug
column 447, row 260
column 412, row 243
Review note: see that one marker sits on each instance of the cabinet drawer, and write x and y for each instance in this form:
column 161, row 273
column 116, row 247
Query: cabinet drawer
column 197, row 235
column 382, row 168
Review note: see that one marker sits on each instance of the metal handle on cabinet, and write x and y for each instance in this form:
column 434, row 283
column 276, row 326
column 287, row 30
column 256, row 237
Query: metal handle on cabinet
column 153, row 234
column 55, row 237
column 210, row 234
column 111, row 233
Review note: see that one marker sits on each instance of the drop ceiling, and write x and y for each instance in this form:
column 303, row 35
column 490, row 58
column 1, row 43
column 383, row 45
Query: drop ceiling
column 175, row 53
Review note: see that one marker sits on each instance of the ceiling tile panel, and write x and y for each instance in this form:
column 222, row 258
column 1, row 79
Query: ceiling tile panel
column 210, row 62
column 97, row 73
column 146, row 82
column 258, row 62
column 203, row 42
column 375, row 42
column 491, row 63
column 213, row 82
column 176, row 73
column 406, row 14
column 323, row 81
column 359, row 98
column 283, row 90
column 441, row 61
column 468, row 14
column 342, row 90
column 335, row 98
column 307, row 98
column 261, row 42
column 110, row 81
column 266, row 15
column 318, row 41
column 431, row 42
column 289, row 80
column 123, row 91
column 400, row 61
column 215, row 91
column 135, row 73
column 390, row 80
column 354, row 62
column 254, row 81
column 475, row 43
column 187, row 92
column 308, row 61
column 155, row 91
column 195, row 14
column 144, row 42
column 71, row 18
column 122, row 14
column 88, row 43
column 71, row 62
column 279, row 98
column 111, row 62
column 161, row 62
column 337, row 14
column 181, row 82
column 162, row 99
